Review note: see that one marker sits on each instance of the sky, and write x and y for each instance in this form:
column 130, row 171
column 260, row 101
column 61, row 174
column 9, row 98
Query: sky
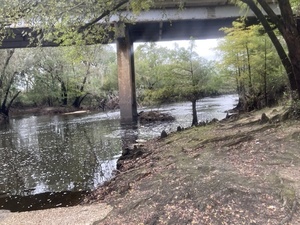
column 203, row 47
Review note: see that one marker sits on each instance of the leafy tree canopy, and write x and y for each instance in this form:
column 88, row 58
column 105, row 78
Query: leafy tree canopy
column 67, row 21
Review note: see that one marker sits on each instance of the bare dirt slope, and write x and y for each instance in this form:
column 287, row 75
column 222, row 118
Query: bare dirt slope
column 234, row 172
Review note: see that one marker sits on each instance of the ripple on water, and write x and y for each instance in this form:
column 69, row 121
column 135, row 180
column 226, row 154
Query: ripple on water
column 41, row 154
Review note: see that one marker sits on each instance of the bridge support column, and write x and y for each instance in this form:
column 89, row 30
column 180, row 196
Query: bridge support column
column 126, row 77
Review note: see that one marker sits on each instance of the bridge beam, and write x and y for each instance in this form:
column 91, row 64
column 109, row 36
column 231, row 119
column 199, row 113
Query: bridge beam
column 126, row 76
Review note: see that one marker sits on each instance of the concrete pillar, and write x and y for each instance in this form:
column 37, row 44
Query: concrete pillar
column 126, row 76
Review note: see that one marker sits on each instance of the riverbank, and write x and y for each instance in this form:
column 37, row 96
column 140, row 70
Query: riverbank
column 243, row 171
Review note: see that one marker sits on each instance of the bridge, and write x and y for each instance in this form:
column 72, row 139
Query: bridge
column 167, row 20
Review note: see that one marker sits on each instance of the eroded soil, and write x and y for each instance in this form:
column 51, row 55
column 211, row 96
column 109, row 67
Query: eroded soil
column 234, row 172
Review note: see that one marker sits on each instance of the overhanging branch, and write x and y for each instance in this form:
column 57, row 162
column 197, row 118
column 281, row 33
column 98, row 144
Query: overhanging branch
column 104, row 14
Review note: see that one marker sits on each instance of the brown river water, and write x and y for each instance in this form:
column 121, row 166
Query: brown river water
column 45, row 158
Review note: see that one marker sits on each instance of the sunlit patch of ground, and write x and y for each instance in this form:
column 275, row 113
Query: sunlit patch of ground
column 79, row 215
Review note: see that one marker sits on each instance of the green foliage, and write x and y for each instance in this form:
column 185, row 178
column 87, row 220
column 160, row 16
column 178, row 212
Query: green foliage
column 295, row 6
column 250, row 59
column 14, row 67
column 63, row 75
column 138, row 5
column 177, row 74
column 67, row 22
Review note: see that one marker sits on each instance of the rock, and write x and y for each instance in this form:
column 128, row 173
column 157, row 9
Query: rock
column 202, row 124
column 152, row 116
column 129, row 153
column 214, row 120
column 140, row 141
column 163, row 134
column 264, row 119
column 285, row 116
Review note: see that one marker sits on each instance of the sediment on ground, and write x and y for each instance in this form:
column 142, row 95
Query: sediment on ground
column 236, row 172
column 243, row 171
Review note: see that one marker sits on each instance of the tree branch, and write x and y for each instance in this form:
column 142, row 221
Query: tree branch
column 104, row 14
column 12, row 100
column 8, row 58
column 288, row 17
column 3, row 107
column 274, row 18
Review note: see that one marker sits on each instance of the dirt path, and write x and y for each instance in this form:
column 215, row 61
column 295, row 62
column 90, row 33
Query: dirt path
column 79, row 215
column 240, row 172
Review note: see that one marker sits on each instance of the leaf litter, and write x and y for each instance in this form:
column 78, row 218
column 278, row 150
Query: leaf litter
column 230, row 172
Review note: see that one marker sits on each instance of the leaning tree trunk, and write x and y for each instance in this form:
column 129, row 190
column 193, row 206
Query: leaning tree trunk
column 3, row 118
column 78, row 100
column 4, row 109
column 195, row 117
column 290, row 32
column 295, row 60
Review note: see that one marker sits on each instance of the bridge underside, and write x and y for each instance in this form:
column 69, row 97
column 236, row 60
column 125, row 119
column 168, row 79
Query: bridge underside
column 178, row 30
column 141, row 32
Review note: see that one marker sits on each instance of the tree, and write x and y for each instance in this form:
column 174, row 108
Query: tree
column 174, row 75
column 6, row 82
column 50, row 64
column 66, row 75
column 195, row 72
column 288, row 27
column 10, row 75
column 248, row 56
column 151, row 67
column 67, row 22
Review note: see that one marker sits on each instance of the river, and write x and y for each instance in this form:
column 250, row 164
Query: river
column 40, row 154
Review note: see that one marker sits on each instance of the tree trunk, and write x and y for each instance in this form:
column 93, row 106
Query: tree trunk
column 77, row 102
column 294, row 49
column 290, row 33
column 265, row 76
column 64, row 93
column 4, row 109
column 251, row 91
column 3, row 118
column 195, row 117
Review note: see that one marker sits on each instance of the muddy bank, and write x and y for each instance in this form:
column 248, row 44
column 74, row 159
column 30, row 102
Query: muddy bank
column 243, row 171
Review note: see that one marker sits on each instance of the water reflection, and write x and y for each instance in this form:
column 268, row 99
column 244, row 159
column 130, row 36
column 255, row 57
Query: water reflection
column 41, row 154
column 79, row 152
column 129, row 133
